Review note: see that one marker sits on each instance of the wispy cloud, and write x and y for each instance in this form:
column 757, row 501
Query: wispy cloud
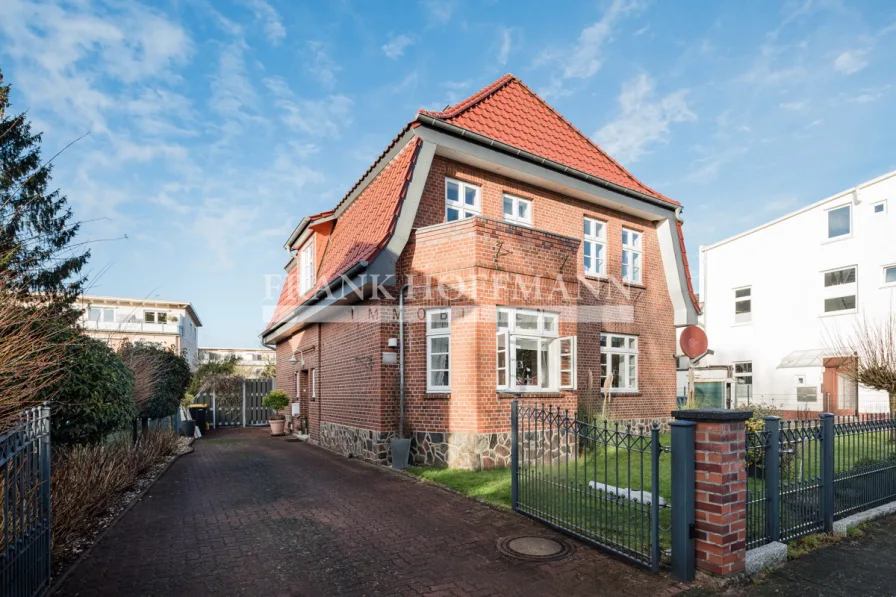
column 396, row 46
column 270, row 18
column 232, row 93
column 322, row 67
column 439, row 11
column 314, row 117
column 506, row 43
column 851, row 62
column 643, row 120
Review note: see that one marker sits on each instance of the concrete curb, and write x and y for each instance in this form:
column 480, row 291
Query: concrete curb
column 841, row 527
column 56, row 583
column 767, row 556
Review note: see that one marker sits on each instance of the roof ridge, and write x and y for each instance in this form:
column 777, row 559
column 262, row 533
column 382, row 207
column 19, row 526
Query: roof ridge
column 462, row 106
column 588, row 140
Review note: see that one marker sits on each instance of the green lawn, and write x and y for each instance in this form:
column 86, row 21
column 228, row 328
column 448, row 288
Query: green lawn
column 491, row 485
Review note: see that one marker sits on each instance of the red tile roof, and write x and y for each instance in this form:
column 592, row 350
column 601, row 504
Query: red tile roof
column 510, row 112
column 362, row 231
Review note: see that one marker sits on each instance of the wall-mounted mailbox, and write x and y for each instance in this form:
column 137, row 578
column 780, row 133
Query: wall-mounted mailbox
column 390, row 358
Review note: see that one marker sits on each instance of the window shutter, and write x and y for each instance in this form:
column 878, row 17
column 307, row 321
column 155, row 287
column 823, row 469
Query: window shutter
column 502, row 359
column 568, row 351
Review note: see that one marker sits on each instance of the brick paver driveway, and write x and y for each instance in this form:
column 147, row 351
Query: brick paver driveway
column 247, row 514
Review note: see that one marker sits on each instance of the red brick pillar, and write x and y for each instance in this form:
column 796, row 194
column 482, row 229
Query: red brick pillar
column 720, row 488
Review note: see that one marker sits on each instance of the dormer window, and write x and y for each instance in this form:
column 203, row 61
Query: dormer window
column 306, row 265
column 462, row 200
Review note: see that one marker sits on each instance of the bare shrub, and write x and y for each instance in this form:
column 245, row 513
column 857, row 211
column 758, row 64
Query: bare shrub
column 88, row 480
column 873, row 344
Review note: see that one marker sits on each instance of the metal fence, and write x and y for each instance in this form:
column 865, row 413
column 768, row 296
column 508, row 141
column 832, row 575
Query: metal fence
column 25, row 485
column 244, row 409
column 804, row 475
column 597, row 482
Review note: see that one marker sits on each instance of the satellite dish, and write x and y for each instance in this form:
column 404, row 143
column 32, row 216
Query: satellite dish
column 693, row 341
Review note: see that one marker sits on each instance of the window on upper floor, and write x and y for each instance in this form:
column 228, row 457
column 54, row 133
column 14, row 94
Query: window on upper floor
column 155, row 317
column 619, row 361
column 530, row 354
column 462, row 200
column 306, row 265
column 743, row 305
column 517, row 210
column 840, row 289
column 840, row 221
column 880, row 207
column 595, row 247
column 438, row 350
column 103, row 314
column 890, row 275
column 631, row 256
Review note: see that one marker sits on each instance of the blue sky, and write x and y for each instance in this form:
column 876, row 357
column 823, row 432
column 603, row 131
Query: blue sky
column 214, row 127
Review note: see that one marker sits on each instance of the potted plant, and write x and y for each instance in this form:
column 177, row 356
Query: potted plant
column 277, row 401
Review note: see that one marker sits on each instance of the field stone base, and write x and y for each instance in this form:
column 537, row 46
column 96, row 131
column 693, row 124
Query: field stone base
column 767, row 556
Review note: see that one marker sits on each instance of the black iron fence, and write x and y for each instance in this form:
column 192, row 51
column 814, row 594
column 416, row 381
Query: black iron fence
column 25, row 490
column 804, row 475
column 597, row 481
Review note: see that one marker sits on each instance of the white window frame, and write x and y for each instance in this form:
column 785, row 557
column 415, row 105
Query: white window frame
column 103, row 312
column 593, row 243
column 838, row 291
column 464, row 211
column 431, row 334
column 742, row 375
column 314, row 382
column 298, row 376
column 514, row 216
column 883, row 274
column 746, row 318
column 628, row 352
column 874, row 208
column 306, row 267
column 631, row 250
column 546, row 334
column 827, row 215
column 156, row 315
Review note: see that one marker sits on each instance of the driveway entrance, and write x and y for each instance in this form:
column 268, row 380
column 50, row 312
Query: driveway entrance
column 247, row 514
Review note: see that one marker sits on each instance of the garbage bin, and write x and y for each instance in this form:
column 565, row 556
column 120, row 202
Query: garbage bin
column 198, row 413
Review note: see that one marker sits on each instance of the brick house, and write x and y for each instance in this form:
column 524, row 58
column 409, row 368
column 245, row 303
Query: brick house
column 532, row 265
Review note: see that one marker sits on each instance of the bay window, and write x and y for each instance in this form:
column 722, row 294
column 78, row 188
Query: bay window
column 531, row 355
column 438, row 350
column 619, row 360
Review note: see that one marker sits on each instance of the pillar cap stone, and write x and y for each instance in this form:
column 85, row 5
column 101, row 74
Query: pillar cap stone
column 712, row 415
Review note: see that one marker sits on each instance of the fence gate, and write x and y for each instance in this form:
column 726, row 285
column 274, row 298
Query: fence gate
column 25, row 481
column 244, row 409
column 597, row 481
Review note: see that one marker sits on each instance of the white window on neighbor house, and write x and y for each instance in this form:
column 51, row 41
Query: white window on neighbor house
column 619, row 360
column 103, row 314
column 631, row 256
column 462, row 200
column 438, row 350
column 840, row 222
column 889, row 275
column 840, row 290
column 531, row 355
column 880, row 207
column 306, row 265
column 743, row 304
column 595, row 247
column 517, row 210
column 155, row 317
column 743, row 376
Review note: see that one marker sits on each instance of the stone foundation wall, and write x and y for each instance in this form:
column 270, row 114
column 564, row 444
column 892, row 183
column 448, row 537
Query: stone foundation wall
column 366, row 444
column 470, row 451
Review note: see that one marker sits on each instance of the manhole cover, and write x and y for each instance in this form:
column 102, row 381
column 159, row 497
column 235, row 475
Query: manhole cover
column 534, row 548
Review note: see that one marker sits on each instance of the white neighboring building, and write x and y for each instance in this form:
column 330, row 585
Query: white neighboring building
column 171, row 324
column 774, row 296
column 252, row 361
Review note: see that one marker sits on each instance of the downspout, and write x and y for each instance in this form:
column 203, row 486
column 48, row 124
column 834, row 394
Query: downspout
column 401, row 360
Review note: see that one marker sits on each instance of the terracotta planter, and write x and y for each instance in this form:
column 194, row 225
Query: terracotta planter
column 277, row 426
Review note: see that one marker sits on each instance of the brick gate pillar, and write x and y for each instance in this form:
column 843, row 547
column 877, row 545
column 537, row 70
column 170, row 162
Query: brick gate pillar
column 720, row 485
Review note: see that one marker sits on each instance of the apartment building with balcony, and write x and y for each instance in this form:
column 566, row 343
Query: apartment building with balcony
column 777, row 298
column 251, row 362
column 171, row 324
column 530, row 264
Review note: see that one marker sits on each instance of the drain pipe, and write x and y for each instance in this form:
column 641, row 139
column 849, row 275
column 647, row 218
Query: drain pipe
column 401, row 447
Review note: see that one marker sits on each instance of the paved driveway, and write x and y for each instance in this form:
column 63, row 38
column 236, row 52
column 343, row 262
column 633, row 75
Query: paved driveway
column 247, row 514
